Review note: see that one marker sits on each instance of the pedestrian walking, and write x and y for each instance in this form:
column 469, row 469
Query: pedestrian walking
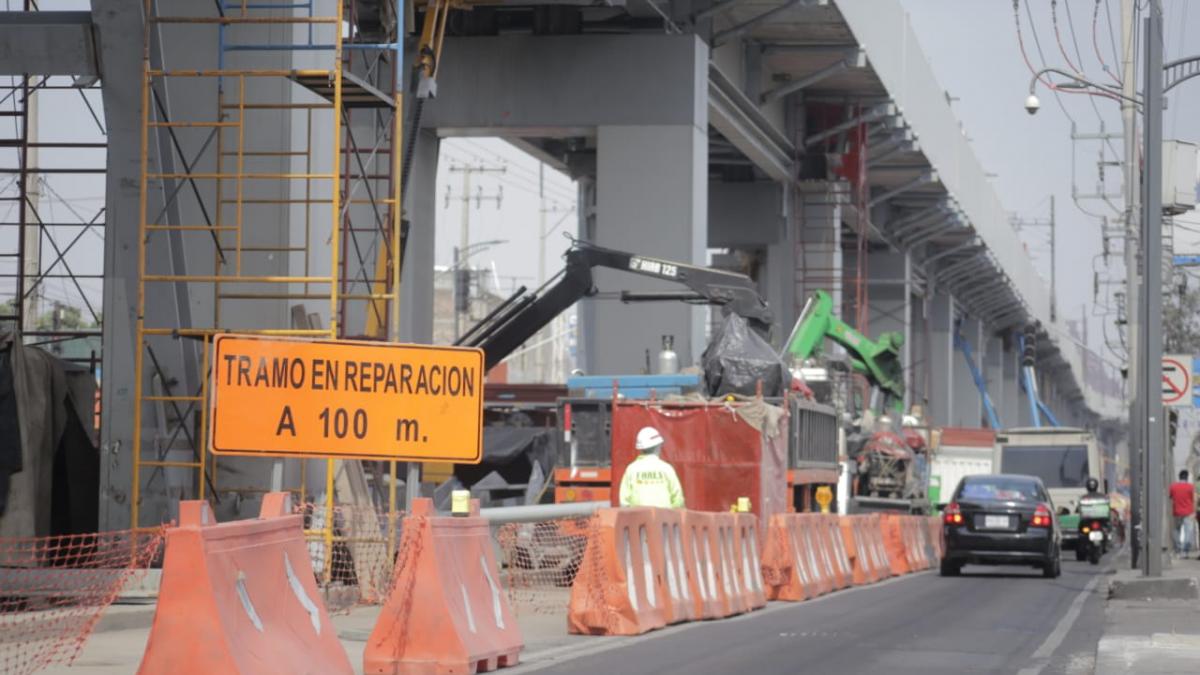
column 1183, row 508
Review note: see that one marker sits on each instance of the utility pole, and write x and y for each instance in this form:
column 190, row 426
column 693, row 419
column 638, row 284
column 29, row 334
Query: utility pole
column 462, row 272
column 1132, row 187
column 1152, row 218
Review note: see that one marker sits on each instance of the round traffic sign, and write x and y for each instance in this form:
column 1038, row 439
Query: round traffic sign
column 1175, row 384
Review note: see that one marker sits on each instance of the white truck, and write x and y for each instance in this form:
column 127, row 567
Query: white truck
column 1063, row 457
column 959, row 452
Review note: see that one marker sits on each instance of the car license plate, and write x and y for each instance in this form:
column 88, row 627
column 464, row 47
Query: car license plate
column 995, row 522
column 1096, row 536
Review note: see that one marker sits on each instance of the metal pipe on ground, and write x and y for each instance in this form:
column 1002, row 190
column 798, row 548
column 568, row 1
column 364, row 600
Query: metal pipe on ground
column 533, row 513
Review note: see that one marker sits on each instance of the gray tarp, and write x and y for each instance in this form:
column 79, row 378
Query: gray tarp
column 51, row 396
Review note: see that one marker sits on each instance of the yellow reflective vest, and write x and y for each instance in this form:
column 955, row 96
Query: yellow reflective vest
column 649, row 481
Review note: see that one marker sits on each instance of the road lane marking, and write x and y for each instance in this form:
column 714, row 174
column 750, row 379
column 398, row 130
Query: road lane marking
column 1041, row 657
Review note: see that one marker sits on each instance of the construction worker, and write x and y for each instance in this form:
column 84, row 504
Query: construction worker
column 648, row 480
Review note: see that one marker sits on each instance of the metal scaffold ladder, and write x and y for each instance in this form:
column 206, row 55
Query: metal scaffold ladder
column 280, row 162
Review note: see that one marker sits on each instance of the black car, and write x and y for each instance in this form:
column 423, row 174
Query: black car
column 1001, row 520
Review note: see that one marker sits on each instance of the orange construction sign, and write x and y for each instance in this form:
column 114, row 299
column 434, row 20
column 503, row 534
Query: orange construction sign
column 326, row 398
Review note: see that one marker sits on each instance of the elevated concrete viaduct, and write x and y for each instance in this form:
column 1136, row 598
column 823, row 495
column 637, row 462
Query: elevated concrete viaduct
column 808, row 137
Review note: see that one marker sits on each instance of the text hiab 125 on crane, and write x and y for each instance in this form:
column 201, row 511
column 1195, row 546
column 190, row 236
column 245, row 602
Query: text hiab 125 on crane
column 346, row 399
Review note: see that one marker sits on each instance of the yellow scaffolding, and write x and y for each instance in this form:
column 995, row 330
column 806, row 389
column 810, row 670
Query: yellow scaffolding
column 299, row 184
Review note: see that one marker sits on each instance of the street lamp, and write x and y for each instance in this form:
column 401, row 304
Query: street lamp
column 1147, row 418
column 1032, row 104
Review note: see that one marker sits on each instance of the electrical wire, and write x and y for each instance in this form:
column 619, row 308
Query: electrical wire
column 1096, row 43
column 1044, row 78
column 1079, row 55
column 1058, row 35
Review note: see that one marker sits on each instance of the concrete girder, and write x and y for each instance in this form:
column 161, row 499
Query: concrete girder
column 926, row 177
column 999, row 303
column 900, row 225
column 48, row 43
column 950, row 279
column 973, row 293
column 871, row 115
column 1011, row 318
column 972, row 246
column 942, row 275
column 743, row 125
column 721, row 37
column 857, row 59
column 984, row 306
column 925, row 235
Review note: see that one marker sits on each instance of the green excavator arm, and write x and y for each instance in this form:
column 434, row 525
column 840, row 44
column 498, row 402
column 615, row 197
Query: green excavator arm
column 877, row 360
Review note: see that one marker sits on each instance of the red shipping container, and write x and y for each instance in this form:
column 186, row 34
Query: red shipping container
column 720, row 451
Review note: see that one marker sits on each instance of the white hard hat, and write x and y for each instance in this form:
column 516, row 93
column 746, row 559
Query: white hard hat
column 648, row 439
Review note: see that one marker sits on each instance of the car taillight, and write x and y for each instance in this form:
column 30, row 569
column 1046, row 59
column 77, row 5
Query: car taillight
column 1041, row 516
column 953, row 514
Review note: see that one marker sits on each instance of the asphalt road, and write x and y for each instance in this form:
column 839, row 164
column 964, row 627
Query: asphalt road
column 990, row 620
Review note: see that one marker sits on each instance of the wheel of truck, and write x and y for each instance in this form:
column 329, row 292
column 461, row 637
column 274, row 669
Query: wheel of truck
column 1080, row 553
column 950, row 568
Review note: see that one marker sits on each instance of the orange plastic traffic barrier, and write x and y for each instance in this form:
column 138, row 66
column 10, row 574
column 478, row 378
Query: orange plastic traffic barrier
column 937, row 535
column 816, row 563
column 446, row 612
column 749, row 565
column 870, row 547
column 861, row 570
column 918, row 537
column 896, row 540
column 670, row 564
column 615, row 591
column 240, row 597
column 702, row 566
column 721, row 537
column 873, row 530
column 783, row 560
column 839, row 560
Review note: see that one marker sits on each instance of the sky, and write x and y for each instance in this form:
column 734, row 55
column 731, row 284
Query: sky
column 973, row 48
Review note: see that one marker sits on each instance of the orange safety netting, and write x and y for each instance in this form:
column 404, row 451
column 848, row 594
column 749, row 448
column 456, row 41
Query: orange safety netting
column 540, row 561
column 53, row 591
column 353, row 554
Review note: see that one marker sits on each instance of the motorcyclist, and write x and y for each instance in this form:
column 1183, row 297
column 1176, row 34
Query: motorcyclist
column 1094, row 510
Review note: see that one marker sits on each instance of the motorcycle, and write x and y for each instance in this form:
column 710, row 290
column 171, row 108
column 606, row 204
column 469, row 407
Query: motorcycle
column 1094, row 517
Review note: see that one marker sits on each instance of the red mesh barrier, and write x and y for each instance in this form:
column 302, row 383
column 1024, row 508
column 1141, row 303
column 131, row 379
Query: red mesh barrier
column 53, row 591
column 539, row 562
column 352, row 556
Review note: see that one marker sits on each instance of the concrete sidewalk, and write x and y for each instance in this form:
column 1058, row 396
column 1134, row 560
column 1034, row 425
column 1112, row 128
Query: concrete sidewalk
column 117, row 644
column 1152, row 625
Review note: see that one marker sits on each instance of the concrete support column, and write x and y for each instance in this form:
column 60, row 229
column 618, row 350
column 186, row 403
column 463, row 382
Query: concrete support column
column 941, row 359
column 968, row 404
column 918, row 364
column 817, row 220
column 651, row 199
column 889, row 283
column 416, row 280
column 752, row 216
